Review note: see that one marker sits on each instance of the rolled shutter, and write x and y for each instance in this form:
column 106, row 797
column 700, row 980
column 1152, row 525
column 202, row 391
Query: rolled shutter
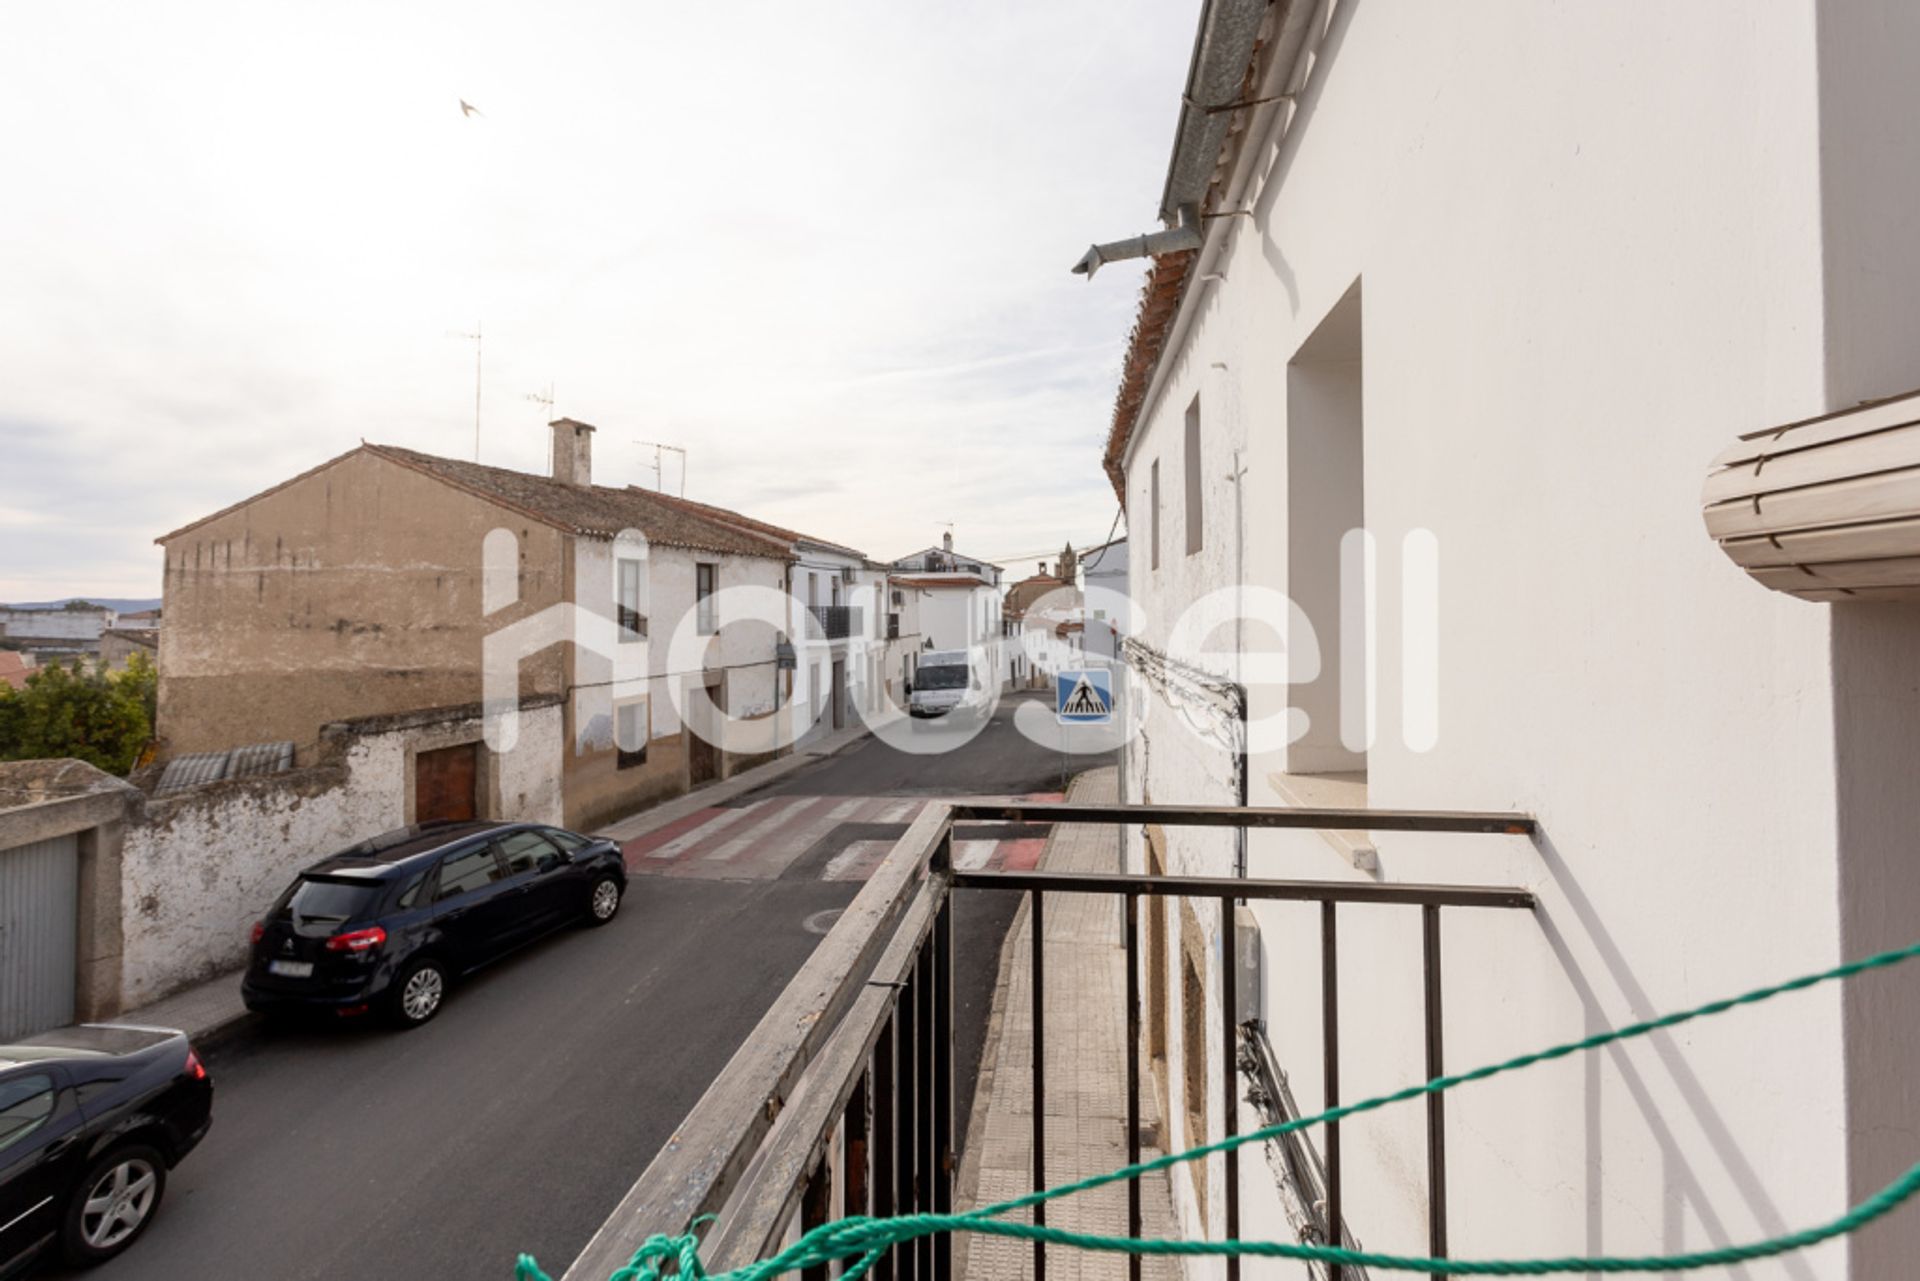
column 1827, row 509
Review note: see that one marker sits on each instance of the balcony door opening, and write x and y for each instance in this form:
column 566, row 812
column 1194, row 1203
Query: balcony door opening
column 1329, row 555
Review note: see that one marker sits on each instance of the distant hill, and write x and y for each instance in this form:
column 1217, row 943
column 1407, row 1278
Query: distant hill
column 119, row 604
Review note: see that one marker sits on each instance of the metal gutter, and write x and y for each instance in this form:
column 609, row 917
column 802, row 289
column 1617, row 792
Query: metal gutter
column 1283, row 83
column 1221, row 50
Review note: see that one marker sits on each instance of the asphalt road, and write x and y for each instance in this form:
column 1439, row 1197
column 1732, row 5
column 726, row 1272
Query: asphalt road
column 519, row 1117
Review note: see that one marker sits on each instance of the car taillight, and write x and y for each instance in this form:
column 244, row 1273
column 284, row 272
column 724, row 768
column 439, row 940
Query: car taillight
column 357, row 940
column 195, row 1068
column 259, row 931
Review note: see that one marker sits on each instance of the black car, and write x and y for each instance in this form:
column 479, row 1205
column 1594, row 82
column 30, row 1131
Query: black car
column 91, row 1119
column 385, row 927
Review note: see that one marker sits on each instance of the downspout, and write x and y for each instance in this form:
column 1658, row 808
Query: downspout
column 1221, row 52
column 1185, row 234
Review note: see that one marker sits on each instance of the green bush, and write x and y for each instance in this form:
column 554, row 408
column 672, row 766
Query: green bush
column 104, row 719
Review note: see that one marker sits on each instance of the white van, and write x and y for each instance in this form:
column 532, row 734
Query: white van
column 941, row 683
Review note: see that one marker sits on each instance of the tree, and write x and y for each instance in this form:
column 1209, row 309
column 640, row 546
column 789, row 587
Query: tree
column 104, row 719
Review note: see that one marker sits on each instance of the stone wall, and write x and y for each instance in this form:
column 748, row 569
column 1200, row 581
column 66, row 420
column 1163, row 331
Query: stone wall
column 198, row 868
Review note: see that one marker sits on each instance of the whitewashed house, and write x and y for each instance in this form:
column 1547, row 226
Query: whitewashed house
column 959, row 611
column 1497, row 282
column 945, row 560
column 836, row 623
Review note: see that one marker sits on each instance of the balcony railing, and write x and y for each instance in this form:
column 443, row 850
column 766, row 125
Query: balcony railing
column 837, row 622
column 859, row 1048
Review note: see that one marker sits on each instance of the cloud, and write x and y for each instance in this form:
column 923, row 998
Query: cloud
column 824, row 248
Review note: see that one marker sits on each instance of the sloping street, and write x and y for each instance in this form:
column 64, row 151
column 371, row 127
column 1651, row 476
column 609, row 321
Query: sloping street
column 518, row 1118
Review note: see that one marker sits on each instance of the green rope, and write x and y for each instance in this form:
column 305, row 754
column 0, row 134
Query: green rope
column 866, row 1239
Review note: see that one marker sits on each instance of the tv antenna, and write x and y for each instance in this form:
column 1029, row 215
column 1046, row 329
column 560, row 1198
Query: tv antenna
column 474, row 338
column 545, row 401
column 659, row 458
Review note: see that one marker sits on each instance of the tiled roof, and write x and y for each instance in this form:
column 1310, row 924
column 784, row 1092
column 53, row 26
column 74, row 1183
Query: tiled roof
column 942, row 580
column 1159, row 300
column 14, row 668
column 941, row 551
column 594, row 510
column 755, row 526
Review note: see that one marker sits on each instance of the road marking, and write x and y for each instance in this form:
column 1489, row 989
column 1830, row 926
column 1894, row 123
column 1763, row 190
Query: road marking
column 687, row 840
column 776, row 816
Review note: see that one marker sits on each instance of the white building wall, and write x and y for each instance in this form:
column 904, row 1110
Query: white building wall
column 745, row 654
column 1578, row 282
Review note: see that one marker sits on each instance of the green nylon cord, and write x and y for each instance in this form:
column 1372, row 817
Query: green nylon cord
column 866, row 1239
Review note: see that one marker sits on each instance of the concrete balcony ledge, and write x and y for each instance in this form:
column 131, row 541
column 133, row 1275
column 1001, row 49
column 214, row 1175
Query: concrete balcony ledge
column 1332, row 791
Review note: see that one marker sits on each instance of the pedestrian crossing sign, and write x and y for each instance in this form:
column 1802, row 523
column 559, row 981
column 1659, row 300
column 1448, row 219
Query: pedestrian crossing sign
column 1084, row 697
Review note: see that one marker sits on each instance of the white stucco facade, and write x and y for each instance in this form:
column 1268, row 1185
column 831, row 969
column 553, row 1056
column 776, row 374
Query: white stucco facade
column 1513, row 275
column 961, row 612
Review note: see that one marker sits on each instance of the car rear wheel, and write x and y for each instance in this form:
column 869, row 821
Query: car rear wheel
column 603, row 900
column 113, row 1203
column 418, row 993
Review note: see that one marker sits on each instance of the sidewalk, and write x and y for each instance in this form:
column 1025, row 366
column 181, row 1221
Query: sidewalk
column 1086, row 988
column 205, row 1012
column 209, row 1010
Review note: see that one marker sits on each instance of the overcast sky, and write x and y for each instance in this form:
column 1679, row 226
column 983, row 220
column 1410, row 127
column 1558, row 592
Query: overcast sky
column 823, row 246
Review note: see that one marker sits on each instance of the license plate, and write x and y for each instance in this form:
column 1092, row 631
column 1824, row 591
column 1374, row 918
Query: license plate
column 291, row 969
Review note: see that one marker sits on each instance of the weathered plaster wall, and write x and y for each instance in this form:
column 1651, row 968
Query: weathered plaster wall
column 1634, row 277
column 354, row 590
column 742, row 655
column 198, row 868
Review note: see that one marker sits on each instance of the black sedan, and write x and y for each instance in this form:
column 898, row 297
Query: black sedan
column 91, row 1120
column 385, row 927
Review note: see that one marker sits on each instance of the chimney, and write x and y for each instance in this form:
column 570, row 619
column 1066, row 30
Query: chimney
column 946, row 541
column 1043, row 569
column 572, row 451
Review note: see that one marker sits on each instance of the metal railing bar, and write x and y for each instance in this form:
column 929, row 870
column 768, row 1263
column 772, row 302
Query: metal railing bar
column 1230, row 1074
column 1366, row 820
column 816, row 1204
column 856, row 1128
column 698, row 1168
column 755, row 1218
column 945, row 1159
column 1036, row 917
column 925, row 999
column 1218, row 886
column 909, row 1124
column 1134, row 1217
column 883, row 1134
column 1330, row 1068
column 1436, row 1104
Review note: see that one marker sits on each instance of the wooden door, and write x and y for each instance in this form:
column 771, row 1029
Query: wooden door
column 444, row 784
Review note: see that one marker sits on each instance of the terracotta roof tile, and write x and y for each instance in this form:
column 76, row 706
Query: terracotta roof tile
column 1159, row 300
column 752, row 525
column 943, row 580
column 593, row 510
column 590, row 509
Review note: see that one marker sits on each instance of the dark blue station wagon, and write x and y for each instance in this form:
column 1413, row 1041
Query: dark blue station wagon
column 386, row 926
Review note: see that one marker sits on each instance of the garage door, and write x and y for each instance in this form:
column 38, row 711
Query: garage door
column 39, row 924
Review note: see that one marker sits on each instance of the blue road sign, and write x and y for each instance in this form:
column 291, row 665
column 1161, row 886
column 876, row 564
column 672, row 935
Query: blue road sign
column 1084, row 697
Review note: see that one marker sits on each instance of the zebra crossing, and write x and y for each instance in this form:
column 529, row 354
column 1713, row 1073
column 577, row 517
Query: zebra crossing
column 831, row 838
